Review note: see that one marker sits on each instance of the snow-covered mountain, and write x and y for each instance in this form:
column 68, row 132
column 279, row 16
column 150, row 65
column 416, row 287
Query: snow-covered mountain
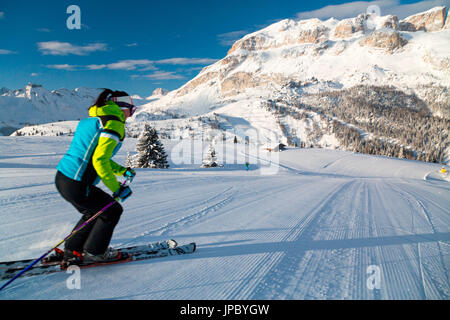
column 371, row 84
column 290, row 80
column 36, row 105
column 410, row 54
column 158, row 92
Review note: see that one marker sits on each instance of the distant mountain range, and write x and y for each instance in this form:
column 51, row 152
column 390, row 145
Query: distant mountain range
column 36, row 105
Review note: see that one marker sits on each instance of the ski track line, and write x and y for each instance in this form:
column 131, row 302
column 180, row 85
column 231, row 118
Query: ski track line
column 248, row 289
column 388, row 259
column 322, row 262
column 315, row 260
column 378, row 255
column 263, row 264
column 274, row 163
column 308, row 172
column 289, row 264
column 27, row 186
column 427, row 217
column 178, row 197
column 372, row 256
column 187, row 219
column 315, row 213
column 419, row 269
column 419, row 255
column 162, row 211
column 194, row 217
column 336, row 160
column 413, row 198
column 263, row 196
column 30, row 200
column 159, row 183
column 415, row 195
column 32, row 156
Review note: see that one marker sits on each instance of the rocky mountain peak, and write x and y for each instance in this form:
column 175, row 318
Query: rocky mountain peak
column 429, row 21
column 365, row 49
column 160, row 92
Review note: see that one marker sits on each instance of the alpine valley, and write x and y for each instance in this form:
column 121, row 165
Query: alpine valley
column 371, row 84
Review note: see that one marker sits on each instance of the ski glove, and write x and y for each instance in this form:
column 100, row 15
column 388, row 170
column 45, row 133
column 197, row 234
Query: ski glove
column 129, row 174
column 123, row 193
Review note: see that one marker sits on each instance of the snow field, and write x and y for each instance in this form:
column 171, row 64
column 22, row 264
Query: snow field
column 312, row 230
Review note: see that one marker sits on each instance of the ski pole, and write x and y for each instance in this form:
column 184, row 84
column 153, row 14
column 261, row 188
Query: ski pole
column 64, row 240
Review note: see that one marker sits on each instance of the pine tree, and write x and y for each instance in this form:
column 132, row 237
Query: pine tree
column 209, row 161
column 151, row 153
column 129, row 162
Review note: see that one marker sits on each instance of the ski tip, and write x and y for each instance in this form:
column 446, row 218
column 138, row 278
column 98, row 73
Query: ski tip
column 195, row 246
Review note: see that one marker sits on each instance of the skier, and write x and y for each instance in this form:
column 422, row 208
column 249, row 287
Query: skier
column 88, row 160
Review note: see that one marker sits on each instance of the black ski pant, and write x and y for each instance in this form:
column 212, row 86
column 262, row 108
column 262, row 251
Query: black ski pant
column 88, row 200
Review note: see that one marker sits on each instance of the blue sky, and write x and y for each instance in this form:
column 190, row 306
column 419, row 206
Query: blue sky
column 138, row 45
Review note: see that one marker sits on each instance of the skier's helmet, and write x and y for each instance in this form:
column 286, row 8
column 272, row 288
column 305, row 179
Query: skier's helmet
column 125, row 102
column 121, row 98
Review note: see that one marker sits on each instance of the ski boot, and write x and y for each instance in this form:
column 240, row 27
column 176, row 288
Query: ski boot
column 71, row 258
column 56, row 256
column 109, row 256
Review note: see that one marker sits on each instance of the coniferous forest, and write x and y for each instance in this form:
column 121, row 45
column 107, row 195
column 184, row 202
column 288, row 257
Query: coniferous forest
column 377, row 120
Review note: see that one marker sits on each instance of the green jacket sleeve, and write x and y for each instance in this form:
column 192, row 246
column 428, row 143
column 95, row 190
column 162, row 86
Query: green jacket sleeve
column 104, row 166
column 117, row 169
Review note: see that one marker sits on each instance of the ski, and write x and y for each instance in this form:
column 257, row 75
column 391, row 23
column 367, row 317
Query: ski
column 135, row 255
column 9, row 268
column 128, row 257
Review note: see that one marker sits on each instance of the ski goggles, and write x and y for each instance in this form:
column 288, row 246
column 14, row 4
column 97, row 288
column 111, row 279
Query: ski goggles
column 125, row 103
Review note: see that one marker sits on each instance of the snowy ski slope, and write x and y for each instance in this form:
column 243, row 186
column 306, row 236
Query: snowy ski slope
column 321, row 225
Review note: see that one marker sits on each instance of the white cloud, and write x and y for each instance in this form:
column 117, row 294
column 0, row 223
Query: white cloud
column 160, row 75
column 47, row 30
column 139, row 65
column 96, row 66
column 65, row 48
column 352, row 9
column 146, row 65
column 186, row 61
column 129, row 64
column 134, row 44
column 67, row 67
column 150, row 67
column 229, row 38
column 2, row 14
column 4, row 51
column 33, row 74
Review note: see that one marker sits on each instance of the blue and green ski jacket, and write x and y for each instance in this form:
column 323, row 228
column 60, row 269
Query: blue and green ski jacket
column 96, row 140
